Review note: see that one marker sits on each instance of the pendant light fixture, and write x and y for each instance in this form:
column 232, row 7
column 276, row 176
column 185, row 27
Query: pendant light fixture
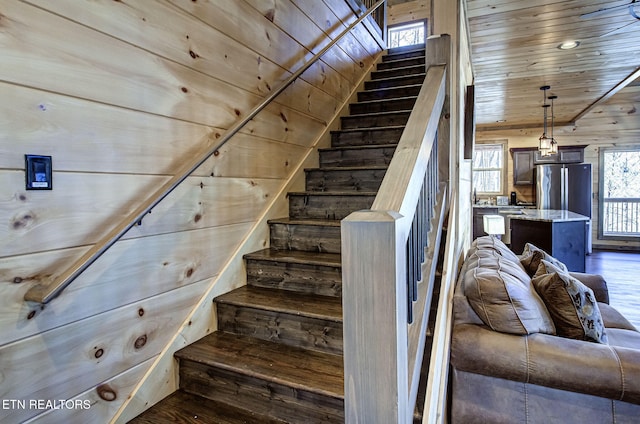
column 544, row 142
column 554, row 145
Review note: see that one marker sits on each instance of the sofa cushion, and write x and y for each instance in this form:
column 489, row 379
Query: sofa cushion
column 506, row 303
column 531, row 257
column 624, row 338
column 595, row 369
column 572, row 305
column 494, row 244
column 493, row 260
column 614, row 319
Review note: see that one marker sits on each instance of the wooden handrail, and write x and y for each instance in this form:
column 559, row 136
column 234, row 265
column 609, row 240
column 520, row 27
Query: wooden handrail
column 44, row 293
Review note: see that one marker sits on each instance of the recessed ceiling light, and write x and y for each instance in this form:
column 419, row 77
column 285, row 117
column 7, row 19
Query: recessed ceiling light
column 568, row 45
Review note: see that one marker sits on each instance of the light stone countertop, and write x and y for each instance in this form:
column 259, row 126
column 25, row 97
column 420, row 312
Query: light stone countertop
column 548, row 215
column 484, row 206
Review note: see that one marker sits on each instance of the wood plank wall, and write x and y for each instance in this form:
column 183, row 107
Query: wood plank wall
column 613, row 123
column 120, row 93
column 403, row 12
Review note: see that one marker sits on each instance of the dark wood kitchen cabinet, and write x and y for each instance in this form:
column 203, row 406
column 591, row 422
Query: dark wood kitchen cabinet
column 573, row 154
column 522, row 167
column 525, row 160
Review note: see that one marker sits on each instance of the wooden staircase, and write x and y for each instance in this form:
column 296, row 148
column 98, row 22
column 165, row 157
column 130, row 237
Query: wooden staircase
column 277, row 355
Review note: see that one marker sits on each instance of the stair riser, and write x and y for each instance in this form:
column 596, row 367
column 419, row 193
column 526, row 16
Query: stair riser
column 266, row 397
column 279, row 327
column 402, row 103
column 371, row 121
column 347, row 180
column 357, row 157
column 366, row 137
column 414, row 61
column 394, row 82
column 302, row 278
column 304, row 206
column 393, row 56
column 398, row 72
column 389, row 93
column 308, row 238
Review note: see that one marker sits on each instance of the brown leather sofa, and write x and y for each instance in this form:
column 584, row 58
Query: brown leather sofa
column 536, row 376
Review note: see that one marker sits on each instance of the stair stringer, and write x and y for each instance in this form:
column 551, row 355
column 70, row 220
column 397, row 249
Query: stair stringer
column 161, row 379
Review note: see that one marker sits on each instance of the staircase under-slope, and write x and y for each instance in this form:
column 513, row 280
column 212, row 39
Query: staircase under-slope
column 277, row 354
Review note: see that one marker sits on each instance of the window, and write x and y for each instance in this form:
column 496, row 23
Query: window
column 406, row 34
column 488, row 168
column 619, row 199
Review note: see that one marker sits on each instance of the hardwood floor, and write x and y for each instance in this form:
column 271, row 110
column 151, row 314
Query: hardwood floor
column 621, row 270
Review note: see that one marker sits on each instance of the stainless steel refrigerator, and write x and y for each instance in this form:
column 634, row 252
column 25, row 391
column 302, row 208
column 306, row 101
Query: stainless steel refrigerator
column 566, row 187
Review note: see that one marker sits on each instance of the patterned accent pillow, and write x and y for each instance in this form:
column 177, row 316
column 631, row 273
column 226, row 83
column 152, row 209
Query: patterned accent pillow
column 531, row 257
column 572, row 305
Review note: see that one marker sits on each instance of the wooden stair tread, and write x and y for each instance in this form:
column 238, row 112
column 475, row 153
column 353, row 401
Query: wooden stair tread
column 377, row 101
column 378, row 114
column 396, row 61
column 404, row 52
column 400, row 62
column 398, row 88
column 369, row 129
column 362, row 147
column 333, row 193
column 420, row 68
column 302, row 369
column 296, row 256
column 397, row 78
column 397, row 53
column 183, row 407
column 312, row 222
column 283, row 301
column 347, row 168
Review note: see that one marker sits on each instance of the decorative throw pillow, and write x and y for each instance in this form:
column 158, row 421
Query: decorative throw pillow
column 572, row 306
column 547, row 267
column 531, row 257
column 506, row 303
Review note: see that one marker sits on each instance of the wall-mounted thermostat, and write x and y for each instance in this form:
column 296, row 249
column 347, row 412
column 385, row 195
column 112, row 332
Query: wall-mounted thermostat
column 38, row 173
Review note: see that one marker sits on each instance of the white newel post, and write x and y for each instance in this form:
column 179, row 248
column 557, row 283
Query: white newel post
column 375, row 320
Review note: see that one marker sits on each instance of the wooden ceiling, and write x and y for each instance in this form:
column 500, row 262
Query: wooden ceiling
column 515, row 51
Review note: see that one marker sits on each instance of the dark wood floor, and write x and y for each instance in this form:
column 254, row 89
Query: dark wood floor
column 622, row 272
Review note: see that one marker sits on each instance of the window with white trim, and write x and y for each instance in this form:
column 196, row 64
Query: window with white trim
column 619, row 199
column 406, row 34
column 488, row 168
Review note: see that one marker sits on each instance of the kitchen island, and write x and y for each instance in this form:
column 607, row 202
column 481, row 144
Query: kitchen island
column 563, row 234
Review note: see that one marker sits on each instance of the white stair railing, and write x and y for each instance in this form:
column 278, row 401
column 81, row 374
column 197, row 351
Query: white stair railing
column 385, row 313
